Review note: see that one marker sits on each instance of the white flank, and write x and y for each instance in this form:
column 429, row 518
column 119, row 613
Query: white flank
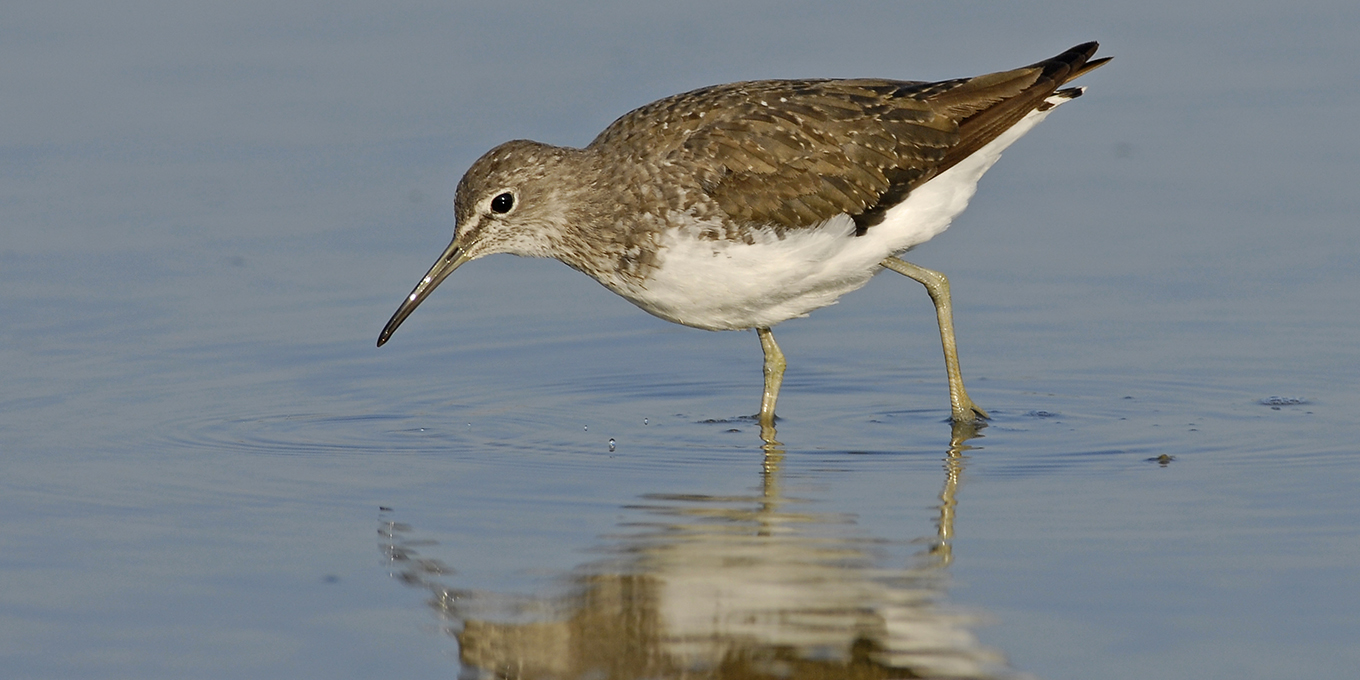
column 724, row 285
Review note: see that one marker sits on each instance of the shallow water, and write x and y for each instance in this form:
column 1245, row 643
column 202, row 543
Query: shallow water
column 209, row 471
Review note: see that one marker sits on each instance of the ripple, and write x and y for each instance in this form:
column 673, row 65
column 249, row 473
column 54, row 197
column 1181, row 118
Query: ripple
column 545, row 439
column 314, row 433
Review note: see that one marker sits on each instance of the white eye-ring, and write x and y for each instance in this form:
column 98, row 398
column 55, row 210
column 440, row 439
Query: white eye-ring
column 503, row 203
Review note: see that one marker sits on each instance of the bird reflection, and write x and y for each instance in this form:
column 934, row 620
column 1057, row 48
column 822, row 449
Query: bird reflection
column 724, row 587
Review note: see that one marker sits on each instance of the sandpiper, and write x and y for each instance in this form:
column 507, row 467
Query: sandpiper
column 740, row 206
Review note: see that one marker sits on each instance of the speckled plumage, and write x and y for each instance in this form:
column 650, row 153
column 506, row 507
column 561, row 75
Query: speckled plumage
column 743, row 205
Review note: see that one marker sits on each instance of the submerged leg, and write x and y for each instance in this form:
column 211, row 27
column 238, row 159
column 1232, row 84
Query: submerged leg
column 774, row 376
column 963, row 408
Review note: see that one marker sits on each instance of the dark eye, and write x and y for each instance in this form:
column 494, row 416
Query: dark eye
column 502, row 203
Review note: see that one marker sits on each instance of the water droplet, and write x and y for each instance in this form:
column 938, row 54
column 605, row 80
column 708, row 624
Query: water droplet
column 611, row 445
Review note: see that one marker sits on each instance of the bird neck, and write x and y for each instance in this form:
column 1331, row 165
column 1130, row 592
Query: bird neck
column 611, row 217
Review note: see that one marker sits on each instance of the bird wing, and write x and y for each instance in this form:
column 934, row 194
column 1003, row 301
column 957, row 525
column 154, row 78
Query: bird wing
column 792, row 154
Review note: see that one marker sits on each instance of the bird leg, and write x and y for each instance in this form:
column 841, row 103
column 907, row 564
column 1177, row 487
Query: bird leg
column 963, row 409
column 774, row 377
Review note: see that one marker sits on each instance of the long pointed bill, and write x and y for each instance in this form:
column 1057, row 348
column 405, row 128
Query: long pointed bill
column 452, row 258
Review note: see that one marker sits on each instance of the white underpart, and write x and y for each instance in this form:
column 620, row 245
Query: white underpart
column 723, row 285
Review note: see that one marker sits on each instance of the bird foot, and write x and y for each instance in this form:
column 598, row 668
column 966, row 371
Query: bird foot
column 968, row 412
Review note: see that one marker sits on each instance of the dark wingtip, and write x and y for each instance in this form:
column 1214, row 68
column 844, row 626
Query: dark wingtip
column 1083, row 51
column 1072, row 63
column 1071, row 57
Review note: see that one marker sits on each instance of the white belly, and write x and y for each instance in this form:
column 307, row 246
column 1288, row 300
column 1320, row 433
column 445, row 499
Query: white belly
column 724, row 285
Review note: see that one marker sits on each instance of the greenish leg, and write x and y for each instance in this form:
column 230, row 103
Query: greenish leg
column 774, row 376
column 963, row 408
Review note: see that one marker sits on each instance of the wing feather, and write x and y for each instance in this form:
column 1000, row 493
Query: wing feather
column 792, row 154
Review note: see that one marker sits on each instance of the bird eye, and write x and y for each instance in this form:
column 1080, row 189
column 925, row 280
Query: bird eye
column 502, row 203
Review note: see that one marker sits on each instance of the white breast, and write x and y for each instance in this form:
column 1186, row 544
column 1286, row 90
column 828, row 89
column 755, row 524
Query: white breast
column 725, row 285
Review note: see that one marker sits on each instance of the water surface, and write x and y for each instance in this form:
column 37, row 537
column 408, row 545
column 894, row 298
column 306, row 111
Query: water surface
column 209, row 471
